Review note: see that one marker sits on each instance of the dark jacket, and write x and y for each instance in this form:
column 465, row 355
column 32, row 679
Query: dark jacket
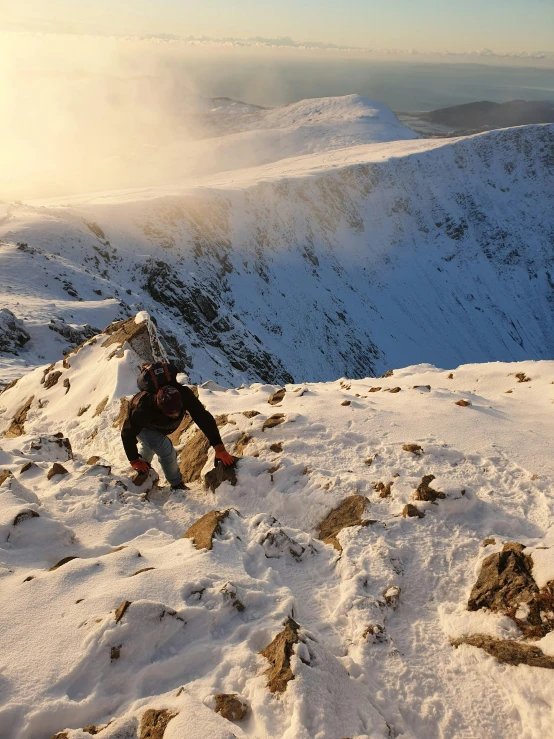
column 144, row 413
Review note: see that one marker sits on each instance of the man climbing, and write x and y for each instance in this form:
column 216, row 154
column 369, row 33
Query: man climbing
column 156, row 412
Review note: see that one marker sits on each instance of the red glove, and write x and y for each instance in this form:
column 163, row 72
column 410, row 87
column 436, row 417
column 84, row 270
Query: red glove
column 140, row 465
column 223, row 455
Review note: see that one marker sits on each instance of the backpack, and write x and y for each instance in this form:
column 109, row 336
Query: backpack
column 154, row 376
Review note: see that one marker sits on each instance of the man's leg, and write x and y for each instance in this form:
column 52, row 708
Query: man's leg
column 160, row 445
column 144, row 450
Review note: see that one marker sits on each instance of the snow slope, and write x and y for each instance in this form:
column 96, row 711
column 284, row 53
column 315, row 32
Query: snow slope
column 342, row 262
column 376, row 619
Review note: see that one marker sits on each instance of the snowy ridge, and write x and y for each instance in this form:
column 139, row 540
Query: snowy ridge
column 341, row 263
column 376, row 611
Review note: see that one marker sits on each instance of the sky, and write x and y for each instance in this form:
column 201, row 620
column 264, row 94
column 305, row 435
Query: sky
column 426, row 25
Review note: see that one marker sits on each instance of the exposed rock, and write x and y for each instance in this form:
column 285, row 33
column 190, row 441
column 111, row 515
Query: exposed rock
column 194, row 456
column 411, row 511
column 377, row 631
column 4, row 475
column 374, row 389
column 392, row 596
column 9, row 386
column 154, row 723
column 230, row 706
column 242, row 443
column 450, row 376
column 13, row 335
column 506, row 583
column 507, row 651
column 414, row 449
column 219, row 474
column 58, row 441
column 522, row 377
column 426, row 388
column 56, row 469
column 61, row 735
column 92, row 729
column 229, row 592
column 276, row 543
column 348, row 513
column 369, row 461
column 25, row 468
column 115, row 652
column 17, row 427
column 25, row 516
column 250, row 414
column 487, row 542
column 100, row 407
column 83, row 409
column 122, row 415
column 276, row 448
column 93, row 460
column 67, row 385
column 395, row 389
column 388, row 373
column 346, row 402
column 463, row 403
column 426, row 493
column 98, row 469
column 144, row 569
column 61, row 563
column 204, row 530
column 121, row 610
column 279, row 653
column 274, row 420
column 383, row 490
column 277, row 397
column 52, row 379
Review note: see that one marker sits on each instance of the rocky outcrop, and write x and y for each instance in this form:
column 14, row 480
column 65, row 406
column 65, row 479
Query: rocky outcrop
column 206, row 528
column 56, row 469
column 154, row 723
column 414, row 449
column 425, row 492
column 507, row 651
column 230, row 706
column 277, row 397
column 348, row 513
column 13, row 335
column 219, row 474
column 275, row 420
column 506, row 585
column 279, row 653
column 412, row 511
column 17, row 426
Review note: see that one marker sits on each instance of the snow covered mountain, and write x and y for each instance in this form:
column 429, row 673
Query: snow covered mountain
column 346, row 261
column 381, row 567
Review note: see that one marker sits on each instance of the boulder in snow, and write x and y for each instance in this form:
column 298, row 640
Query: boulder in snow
column 279, row 653
column 230, row 706
column 425, row 492
column 348, row 513
column 17, row 427
column 507, row 651
column 154, row 723
column 206, row 528
column 13, row 335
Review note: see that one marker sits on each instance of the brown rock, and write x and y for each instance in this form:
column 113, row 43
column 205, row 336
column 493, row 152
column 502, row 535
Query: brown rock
column 277, row 448
column 65, row 363
column 383, row 490
column 56, row 469
column 61, row 735
column 279, row 653
column 4, row 475
column 17, row 427
column 392, row 596
column 154, row 723
column 250, row 414
column 52, row 379
column 121, row 610
column 522, row 377
column 507, row 651
column 374, row 389
column 277, row 397
column 83, row 409
column 194, row 456
column 93, row 460
column 487, row 542
column 414, row 449
column 450, row 376
column 242, row 443
column 426, row 493
column 463, row 403
column 25, row 516
column 144, row 569
column 9, row 386
column 92, row 729
column 122, row 415
column 346, row 402
column 115, row 652
column 24, row 468
column 395, row 389
column 219, row 474
column 388, row 373
column 67, row 385
column 411, row 511
column 100, row 407
column 229, row 592
column 422, row 387
column 369, row 461
column 274, row 420
column 230, row 706
column 62, row 562
column 204, row 530
column 348, row 513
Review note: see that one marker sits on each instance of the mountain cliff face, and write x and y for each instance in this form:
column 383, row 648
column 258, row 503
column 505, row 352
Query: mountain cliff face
column 340, row 263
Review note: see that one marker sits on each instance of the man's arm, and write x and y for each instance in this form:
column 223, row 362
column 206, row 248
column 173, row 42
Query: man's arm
column 131, row 429
column 201, row 417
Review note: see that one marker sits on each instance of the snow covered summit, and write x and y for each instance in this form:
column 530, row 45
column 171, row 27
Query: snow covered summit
column 344, row 586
